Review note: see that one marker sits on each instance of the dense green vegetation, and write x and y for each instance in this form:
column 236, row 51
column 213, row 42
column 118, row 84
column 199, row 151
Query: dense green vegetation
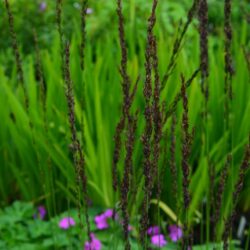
column 36, row 156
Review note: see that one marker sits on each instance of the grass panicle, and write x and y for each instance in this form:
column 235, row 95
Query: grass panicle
column 40, row 78
column 157, row 113
column 203, row 30
column 59, row 20
column 17, row 54
column 125, row 187
column 147, row 134
column 177, row 44
column 172, row 107
column 220, row 192
column 172, row 162
column 186, row 148
column 84, row 4
column 78, row 156
column 229, row 70
column 126, row 96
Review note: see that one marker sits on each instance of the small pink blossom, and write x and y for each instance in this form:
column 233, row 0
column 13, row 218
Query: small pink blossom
column 175, row 232
column 89, row 11
column 108, row 213
column 94, row 244
column 42, row 212
column 101, row 222
column 66, row 222
column 153, row 230
column 158, row 240
column 42, row 6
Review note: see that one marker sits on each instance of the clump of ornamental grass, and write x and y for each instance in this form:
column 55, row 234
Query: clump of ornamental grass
column 178, row 42
column 236, row 193
column 147, row 134
column 78, row 156
column 17, row 54
column 186, row 148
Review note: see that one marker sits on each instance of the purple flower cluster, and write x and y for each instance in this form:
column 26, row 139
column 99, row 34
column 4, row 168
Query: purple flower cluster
column 101, row 220
column 175, row 233
column 158, row 239
column 93, row 244
column 66, row 222
column 41, row 212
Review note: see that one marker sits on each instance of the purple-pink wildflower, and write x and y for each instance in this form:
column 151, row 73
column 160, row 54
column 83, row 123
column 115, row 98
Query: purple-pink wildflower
column 175, row 232
column 94, row 244
column 108, row 213
column 42, row 212
column 89, row 11
column 101, row 220
column 43, row 6
column 153, row 230
column 158, row 240
column 66, row 222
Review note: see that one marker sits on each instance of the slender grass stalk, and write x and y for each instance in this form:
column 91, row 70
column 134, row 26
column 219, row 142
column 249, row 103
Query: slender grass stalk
column 125, row 187
column 186, row 147
column 220, row 192
column 17, row 53
column 59, row 20
column 228, row 92
column 126, row 83
column 203, row 30
column 147, row 134
column 83, row 31
column 40, row 78
column 177, row 44
column 157, row 114
column 204, row 64
column 172, row 107
column 78, row 156
column 172, row 163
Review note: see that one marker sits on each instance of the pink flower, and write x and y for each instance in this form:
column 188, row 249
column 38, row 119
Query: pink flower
column 175, row 232
column 101, row 222
column 108, row 213
column 42, row 212
column 89, row 11
column 153, row 230
column 94, row 244
column 66, row 222
column 158, row 240
column 42, row 6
